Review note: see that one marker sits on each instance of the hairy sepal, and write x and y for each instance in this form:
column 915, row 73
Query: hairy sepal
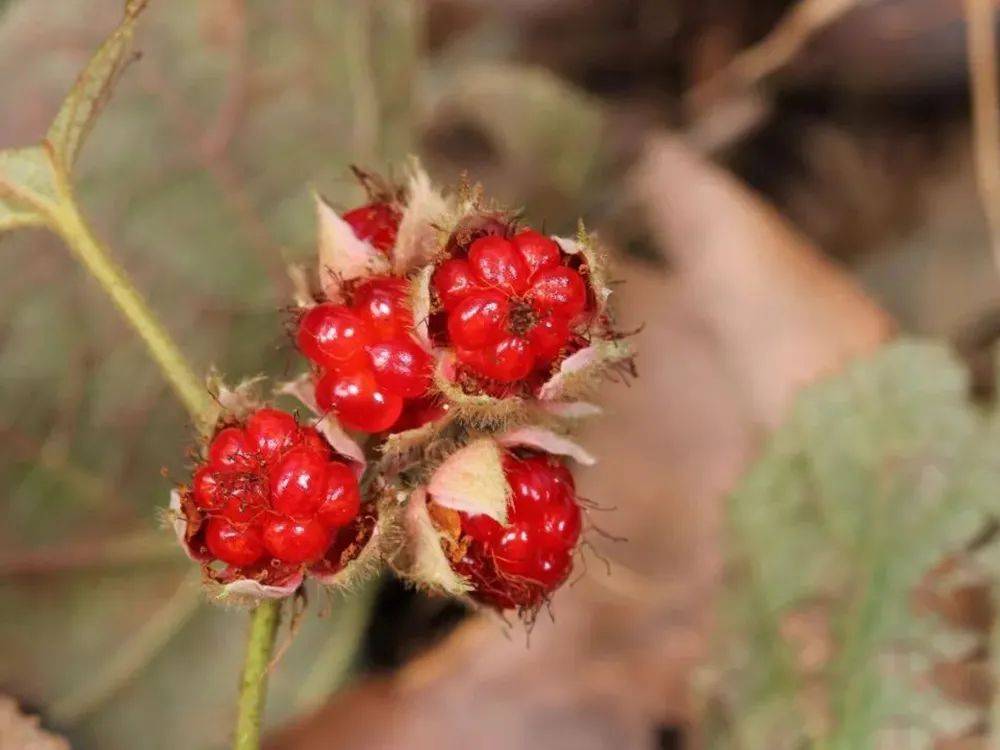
column 420, row 234
column 422, row 559
column 585, row 245
column 548, row 441
column 580, row 373
column 304, row 391
column 472, row 480
column 342, row 256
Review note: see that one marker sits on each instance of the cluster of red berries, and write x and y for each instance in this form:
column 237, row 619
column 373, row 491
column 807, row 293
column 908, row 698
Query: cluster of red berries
column 374, row 374
column 511, row 304
column 271, row 489
column 522, row 563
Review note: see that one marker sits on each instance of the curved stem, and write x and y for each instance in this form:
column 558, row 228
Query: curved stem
column 253, row 687
column 73, row 228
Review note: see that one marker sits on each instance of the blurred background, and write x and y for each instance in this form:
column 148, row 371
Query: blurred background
column 782, row 186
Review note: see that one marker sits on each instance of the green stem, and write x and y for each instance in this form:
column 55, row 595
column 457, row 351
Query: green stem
column 72, row 227
column 253, row 687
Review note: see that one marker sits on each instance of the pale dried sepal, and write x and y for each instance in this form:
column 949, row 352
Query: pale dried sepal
column 361, row 568
column 571, row 410
column 238, row 592
column 472, row 480
column 581, row 371
column 302, row 388
column 585, row 244
column 179, row 524
column 20, row 731
column 419, row 234
column 342, row 256
column 420, row 305
column 239, row 401
column 540, row 438
column 301, row 293
column 423, row 559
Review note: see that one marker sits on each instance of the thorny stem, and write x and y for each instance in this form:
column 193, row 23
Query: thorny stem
column 67, row 221
column 253, row 686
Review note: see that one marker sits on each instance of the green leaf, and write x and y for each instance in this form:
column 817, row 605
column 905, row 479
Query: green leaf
column 93, row 88
column 878, row 475
column 27, row 187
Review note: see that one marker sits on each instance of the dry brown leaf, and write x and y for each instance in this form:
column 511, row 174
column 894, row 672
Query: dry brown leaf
column 21, row 732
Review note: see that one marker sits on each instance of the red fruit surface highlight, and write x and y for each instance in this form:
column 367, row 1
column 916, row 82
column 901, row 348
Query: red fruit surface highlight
column 520, row 564
column 453, row 281
column 560, row 291
column 401, row 367
column 234, row 545
column 510, row 360
column 537, row 250
column 293, row 541
column 358, row 401
column 341, row 500
column 334, row 336
column 510, row 308
column 383, row 303
column 298, row 482
column 231, row 449
column 496, row 264
column 268, row 498
column 478, row 320
column 378, row 223
column 271, row 431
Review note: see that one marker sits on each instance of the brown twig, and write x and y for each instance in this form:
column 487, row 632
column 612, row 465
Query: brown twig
column 982, row 56
column 728, row 104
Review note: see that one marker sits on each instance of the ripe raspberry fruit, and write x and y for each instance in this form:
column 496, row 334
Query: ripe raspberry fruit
column 378, row 223
column 268, row 497
column 510, row 305
column 521, row 564
column 370, row 364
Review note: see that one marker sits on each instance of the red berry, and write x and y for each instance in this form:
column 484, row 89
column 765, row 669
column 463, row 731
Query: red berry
column 453, row 281
column 559, row 290
column 377, row 223
column 244, row 508
column 420, row 411
column 561, row 524
column 294, row 541
column 401, row 367
column 497, row 264
column 517, row 565
column 341, row 499
column 478, row 320
column 383, row 302
column 514, row 551
column 237, row 546
column 312, row 440
column 298, row 482
column 548, row 337
column 230, row 449
column 553, row 567
column 510, row 360
column 205, row 487
column 271, row 432
column 358, row 400
column 334, row 337
column 537, row 250
column 481, row 527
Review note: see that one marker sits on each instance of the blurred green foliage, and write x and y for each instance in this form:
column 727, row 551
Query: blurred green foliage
column 880, row 475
